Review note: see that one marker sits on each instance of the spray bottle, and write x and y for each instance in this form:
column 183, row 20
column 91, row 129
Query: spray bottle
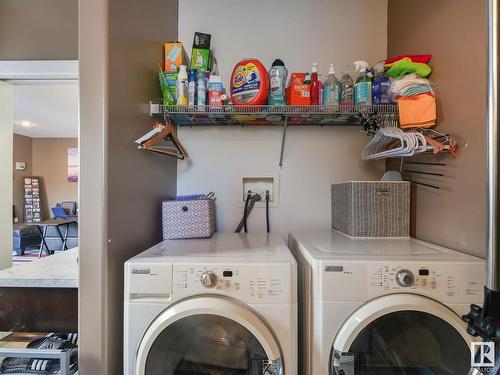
column 314, row 85
column 331, row 91
column 346, row 88
column 381, row 85
column 363, row 85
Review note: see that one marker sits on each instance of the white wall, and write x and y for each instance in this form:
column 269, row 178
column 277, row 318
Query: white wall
column 300, row 33
column 6, row 175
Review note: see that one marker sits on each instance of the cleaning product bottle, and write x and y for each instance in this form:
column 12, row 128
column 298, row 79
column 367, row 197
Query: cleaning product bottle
column 215, row 88
column 314, row 85
column 321, row 89
column 201, row 98
column 192, row 87
column 363, row 85
column 346, row 88
column 277, row 83
column 381, row 85
column 182, row 86
column 331, row 91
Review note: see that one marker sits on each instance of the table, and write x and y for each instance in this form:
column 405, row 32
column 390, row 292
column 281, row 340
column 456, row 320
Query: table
column 42, row 227
column 41, row 296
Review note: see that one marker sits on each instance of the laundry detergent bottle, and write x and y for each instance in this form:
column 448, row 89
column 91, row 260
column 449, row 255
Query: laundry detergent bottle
column 363, row 85
column 331, row 90
column 249, row 83
column 277, row 83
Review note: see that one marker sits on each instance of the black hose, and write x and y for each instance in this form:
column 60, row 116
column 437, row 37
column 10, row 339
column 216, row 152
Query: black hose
column 267, row 212
column 255, row 198
column 245, row 211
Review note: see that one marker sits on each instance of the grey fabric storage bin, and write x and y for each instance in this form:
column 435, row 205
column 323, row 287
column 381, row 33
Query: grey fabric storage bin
column 371, row 209
column 188, row 219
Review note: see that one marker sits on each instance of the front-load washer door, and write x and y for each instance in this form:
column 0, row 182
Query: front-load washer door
column 402, row 334
column 208, row 335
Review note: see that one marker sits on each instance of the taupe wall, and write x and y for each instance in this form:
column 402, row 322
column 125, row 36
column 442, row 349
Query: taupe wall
column 48, row 159
column 50, row 162
column 38, row 29
column 120, row 47
column 23, row 151
column 454, row 32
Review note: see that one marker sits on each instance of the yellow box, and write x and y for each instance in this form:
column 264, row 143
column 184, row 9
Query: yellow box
column 174, row 56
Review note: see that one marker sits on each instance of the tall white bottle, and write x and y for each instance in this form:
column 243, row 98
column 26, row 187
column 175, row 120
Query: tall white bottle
column 182, row 86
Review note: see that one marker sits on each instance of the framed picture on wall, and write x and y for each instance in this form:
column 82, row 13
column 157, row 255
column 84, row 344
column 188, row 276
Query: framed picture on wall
column 72, row 164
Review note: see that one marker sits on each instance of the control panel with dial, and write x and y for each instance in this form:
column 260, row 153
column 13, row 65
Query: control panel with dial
column 439, row 280
column 256, row 284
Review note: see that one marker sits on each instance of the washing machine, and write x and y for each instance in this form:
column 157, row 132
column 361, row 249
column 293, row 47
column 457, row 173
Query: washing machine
column 225, row 305
column 390, row 306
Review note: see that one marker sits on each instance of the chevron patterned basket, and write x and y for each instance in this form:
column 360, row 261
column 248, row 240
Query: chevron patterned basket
column 188, row 219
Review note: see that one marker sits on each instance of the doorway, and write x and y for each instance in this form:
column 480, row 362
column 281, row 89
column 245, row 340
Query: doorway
column 39, row 130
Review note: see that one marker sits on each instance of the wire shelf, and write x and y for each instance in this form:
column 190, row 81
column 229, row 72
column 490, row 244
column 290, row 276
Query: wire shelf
column 231, row 115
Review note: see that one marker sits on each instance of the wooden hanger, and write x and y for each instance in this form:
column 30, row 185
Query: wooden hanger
column 167, row 134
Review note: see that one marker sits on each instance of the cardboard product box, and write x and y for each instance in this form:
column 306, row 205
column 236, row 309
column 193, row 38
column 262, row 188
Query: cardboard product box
column 298, row 92
column 172, row 83
column 201, row 40
column 174, row 56
column 200, row 54
column 200, row 59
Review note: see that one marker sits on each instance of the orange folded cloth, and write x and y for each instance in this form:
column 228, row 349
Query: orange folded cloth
column 417, row 111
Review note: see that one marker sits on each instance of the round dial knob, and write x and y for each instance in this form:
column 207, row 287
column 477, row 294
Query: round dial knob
column 209, row 279
column 405, row 278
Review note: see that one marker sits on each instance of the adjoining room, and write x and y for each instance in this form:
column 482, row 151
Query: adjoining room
column 45, row 156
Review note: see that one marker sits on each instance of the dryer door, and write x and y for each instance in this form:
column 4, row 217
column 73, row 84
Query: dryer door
column 402, row 334
column 208, row 335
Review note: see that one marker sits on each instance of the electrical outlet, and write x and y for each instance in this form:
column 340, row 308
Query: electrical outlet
column 259, row 183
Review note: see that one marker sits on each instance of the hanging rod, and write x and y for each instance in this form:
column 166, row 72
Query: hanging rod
column 425, row 163
column 423, row 184
column 427, row 173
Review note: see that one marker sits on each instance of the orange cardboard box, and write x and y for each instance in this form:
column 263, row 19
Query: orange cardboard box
column 174, row 56
column 298, row 92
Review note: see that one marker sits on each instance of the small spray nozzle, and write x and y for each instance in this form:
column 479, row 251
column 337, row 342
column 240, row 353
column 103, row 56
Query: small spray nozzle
column 361, row 66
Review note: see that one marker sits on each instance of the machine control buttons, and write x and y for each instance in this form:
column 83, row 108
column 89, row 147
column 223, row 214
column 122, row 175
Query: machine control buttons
column 423, row 272
column 405, row 278
column 209, row 279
